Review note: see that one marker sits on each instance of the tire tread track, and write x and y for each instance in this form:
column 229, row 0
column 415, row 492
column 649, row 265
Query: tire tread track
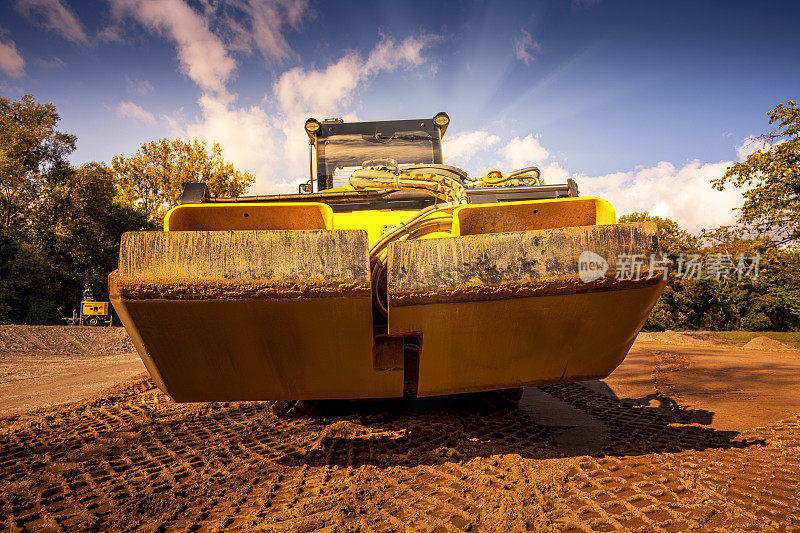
column 132, row 459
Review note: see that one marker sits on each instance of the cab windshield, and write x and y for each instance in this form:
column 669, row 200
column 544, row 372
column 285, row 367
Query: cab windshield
column 347, row 152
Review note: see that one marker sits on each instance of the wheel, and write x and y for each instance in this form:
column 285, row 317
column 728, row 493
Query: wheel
column 292, row 409
column 93, row 321
column 501, row 400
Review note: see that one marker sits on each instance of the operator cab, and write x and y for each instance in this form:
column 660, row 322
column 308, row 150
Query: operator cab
column 342, row 147
column 337, row 148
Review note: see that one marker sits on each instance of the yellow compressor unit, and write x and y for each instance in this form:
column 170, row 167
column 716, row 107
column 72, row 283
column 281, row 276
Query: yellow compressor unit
column 91, row 313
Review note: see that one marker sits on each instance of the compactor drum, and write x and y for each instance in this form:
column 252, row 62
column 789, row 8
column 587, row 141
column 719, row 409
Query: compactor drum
column 389, row 274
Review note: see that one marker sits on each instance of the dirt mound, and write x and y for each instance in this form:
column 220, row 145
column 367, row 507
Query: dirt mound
column 131, row 459
column 767, row 344
column 64, row 340
column 671, row 337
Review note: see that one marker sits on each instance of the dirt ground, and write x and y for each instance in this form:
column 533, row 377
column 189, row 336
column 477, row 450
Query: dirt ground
column 42, row 366
column 686, row 434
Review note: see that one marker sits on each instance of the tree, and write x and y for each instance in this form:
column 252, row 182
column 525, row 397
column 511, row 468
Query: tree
column 153, row 178
column 79, row 225
column 772, row 205
column 675, row 308
column 26, row 282
column 673, row 239
column 31, row 151
column 770, row 301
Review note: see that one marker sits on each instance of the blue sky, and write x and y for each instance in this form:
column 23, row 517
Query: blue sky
column 641, row 102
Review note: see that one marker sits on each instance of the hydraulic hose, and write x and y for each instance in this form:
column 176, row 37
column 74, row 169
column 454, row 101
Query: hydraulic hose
column 445, row 186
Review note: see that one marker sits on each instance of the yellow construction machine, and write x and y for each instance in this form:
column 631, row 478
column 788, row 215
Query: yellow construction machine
column 92, row 312
column 389, row 274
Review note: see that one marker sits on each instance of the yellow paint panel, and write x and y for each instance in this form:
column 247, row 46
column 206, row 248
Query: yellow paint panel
column 252, row 349
column 279, row 216
column 468, row 219
column 374, row 221
column 486, row 345
column 249, row 216
column 531, row 215
column 94, row 308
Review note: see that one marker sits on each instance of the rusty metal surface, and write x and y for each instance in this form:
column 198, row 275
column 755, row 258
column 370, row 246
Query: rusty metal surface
column 196, row 265
column 515, row 265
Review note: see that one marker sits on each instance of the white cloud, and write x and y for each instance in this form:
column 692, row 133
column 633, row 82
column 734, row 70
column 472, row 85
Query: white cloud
column 460, row 148
column 110, row 34
column 266, row 140
column 751, row 145
column 56, row 62
column 245, row 134
column 300, row 89
column 299, row 96
column 389, row 56
column 134, row 112
column 270, row 142
column 519, row 153
column 682, row 194
column 55, row 16
column 259, row 24
column 11, row 62
column 553, row 172
column 202, row 55
column 525, row 47
column 140, row 87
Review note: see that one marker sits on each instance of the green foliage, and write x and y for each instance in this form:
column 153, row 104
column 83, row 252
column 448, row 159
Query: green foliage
column 31, row 152
column 152, row 178
column 673, row 239
column 770, row 302
column 772, row 202
column 79, row 225
column 25, row 273
column 59, row 226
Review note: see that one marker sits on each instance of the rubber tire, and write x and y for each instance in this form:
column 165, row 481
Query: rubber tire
column 93, row 321
column 502, row 400
column 294, row 409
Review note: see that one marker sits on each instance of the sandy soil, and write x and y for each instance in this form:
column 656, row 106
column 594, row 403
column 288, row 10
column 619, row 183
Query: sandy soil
column 683, row 436
column 64, row 340
column 42, row 366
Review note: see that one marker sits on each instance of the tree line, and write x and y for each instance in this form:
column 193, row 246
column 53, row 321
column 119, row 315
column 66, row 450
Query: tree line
column 768, row 228
column 61, row 225
column 719, row 294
